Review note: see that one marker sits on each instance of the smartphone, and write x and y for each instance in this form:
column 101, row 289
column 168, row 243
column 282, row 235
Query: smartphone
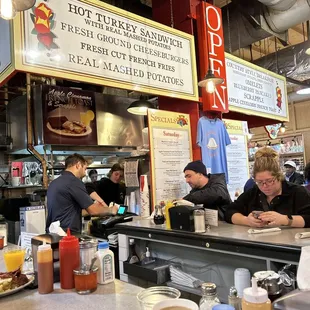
column 256, row 214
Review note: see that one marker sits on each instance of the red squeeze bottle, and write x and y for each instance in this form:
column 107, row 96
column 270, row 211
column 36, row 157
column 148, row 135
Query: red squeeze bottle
column 69, row 257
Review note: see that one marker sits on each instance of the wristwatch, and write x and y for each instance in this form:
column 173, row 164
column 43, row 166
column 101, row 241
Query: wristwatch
column 290, row 220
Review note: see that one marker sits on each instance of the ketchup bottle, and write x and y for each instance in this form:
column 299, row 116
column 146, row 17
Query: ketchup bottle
column 69, row 257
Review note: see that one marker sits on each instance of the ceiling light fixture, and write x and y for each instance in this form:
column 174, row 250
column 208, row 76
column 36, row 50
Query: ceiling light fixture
column 140, row 106
column 210, row 80
column 282, row 128
column 303, row 91
column 8, row 8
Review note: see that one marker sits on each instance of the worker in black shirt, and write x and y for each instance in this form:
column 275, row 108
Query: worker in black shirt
column 67, row 197
column 109, row 189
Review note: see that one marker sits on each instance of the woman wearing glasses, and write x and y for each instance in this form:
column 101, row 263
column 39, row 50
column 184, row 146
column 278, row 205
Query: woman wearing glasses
column 272, row 201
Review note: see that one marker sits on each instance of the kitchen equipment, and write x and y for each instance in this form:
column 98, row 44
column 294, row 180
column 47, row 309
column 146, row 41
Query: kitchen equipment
column 53, row 240
column 182, row 217
column 152, row 295
column 88, row 249
column 85, row 280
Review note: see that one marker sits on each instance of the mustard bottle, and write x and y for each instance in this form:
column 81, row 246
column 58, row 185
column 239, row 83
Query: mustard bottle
column 168, row 206
column 255, row 298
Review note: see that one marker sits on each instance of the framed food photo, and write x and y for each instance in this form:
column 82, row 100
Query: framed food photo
column 69, row 116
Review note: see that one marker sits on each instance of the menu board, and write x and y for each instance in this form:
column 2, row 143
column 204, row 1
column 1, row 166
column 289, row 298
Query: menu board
column 237, row 157
column 69, row 116
column 94, row 42
column 254, row 90
column 170, row 145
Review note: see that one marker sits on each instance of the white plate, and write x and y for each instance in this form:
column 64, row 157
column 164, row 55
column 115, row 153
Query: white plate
column 17, row 289
column 67, row 134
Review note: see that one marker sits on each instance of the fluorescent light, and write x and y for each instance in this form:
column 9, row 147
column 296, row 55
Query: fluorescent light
column 303, row 91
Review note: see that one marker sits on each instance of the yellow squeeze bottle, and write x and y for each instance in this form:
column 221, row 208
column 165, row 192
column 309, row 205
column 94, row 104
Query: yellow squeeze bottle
column 168, row 206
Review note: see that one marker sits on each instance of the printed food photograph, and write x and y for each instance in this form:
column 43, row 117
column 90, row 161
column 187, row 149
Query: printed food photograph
column 61, row 125
column 69, row 116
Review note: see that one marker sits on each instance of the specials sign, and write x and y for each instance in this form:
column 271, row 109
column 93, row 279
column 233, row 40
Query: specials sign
column 255, row 91
column 170, row 151
column 95, row 42
column 212, row 54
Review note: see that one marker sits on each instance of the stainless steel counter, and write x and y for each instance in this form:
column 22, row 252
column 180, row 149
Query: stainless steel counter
column 213, row 256
column 228, row 231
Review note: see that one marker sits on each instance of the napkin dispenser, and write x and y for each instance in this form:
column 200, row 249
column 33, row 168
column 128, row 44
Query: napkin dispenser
column 182, row 217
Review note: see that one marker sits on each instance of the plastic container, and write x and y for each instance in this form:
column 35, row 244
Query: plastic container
column 45, row 269
column 255, row 298
column 106, row 272
column 151, row 296
column 69, row 259
column 242, row 279
column 85, row 281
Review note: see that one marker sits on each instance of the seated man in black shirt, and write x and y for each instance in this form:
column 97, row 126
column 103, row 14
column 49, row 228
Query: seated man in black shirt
column 207, row 189
column 67, row 197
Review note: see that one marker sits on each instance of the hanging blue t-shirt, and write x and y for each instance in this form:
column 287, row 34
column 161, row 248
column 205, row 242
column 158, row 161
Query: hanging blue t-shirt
column 213, row 138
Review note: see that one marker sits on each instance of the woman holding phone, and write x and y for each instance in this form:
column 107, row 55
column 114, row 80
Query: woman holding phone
column 272, row 201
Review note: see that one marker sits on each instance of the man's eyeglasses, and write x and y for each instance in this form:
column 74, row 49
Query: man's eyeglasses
column 266, row 182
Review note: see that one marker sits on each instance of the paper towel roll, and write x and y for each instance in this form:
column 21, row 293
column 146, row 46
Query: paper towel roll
column 144, row 196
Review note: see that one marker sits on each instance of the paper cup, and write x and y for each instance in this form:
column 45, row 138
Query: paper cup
column 176, row 303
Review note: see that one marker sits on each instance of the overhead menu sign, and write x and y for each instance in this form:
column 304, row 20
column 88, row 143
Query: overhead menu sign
column 5, row 50
column 94, row 42
column 256, row 91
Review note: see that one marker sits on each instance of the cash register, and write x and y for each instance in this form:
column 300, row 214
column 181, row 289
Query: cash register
column 103, row 226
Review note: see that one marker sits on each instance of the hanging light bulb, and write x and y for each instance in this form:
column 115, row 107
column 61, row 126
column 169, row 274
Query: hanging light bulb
column 282, row 128
column 210, row 81
column 7, row 10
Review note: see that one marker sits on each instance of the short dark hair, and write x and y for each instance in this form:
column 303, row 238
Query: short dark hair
column 74, row 159
column 115, row 167
column 307, row 172
column 91, row 172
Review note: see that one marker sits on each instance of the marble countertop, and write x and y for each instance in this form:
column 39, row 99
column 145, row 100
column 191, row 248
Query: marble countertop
column 114, row 296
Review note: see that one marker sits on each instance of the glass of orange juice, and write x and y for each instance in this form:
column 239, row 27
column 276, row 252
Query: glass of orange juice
column 14, row 257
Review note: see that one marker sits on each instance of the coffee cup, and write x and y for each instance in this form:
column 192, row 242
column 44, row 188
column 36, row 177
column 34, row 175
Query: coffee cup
column 15, row 181
column 176, row 304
